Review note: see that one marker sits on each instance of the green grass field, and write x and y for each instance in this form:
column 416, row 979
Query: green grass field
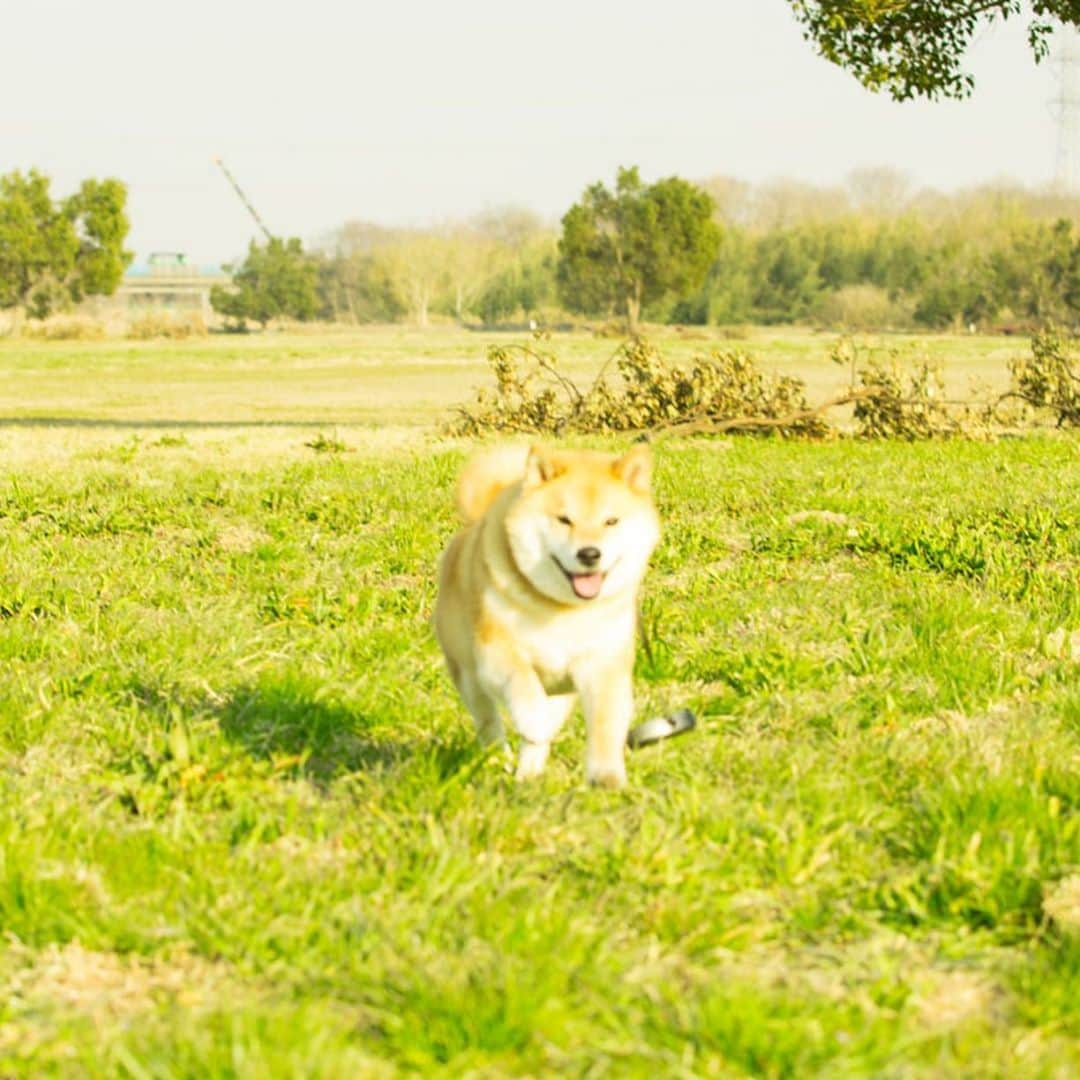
column 245, row 830
column 382, row 375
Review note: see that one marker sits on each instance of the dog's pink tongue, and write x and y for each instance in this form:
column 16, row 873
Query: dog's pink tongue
column 587, row 585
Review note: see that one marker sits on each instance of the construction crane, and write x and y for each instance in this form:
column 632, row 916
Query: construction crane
column 243, row 198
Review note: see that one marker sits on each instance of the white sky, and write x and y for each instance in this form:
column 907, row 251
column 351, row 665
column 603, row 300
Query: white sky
column 418, row 110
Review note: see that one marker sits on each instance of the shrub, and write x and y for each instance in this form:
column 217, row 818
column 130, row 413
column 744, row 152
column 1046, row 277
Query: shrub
column 1049, row 378
column 327, row 444
column 73, row 329
column 162, row 325
column 906, row 405
column 864, row 307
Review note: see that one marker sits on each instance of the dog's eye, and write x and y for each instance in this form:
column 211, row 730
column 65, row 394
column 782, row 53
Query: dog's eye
column 611, row 521
column 564, row 520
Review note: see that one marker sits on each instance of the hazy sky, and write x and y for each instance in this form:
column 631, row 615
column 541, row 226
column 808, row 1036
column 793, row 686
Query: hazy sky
column 411, row 112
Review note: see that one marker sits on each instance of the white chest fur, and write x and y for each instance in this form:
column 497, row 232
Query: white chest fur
column 553, row 641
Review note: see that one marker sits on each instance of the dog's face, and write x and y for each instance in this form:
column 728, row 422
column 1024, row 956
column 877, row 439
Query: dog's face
column 584, row 524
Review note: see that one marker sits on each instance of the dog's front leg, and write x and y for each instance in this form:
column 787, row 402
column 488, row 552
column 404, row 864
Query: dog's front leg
column 534, row 754
column 607, row 699
column 537, row 719
column 532, row 757
column 533, row 715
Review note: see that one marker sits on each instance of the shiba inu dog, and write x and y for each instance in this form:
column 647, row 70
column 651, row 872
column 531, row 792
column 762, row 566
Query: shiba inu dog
column 538, row 596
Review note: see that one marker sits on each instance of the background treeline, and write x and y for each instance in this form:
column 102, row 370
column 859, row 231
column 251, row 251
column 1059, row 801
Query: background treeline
column 871, row 254
column 496, row 266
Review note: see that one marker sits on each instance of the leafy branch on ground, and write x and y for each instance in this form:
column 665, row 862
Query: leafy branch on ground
column 328, row 444
column 638, row 389
column 1050, row 378
column 724, row 390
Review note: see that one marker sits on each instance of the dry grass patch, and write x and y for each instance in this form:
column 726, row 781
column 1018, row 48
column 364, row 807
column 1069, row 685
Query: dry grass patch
column 1061, row 903
column 240, row 539
column 987, row 735
column 947, row 999
column 818, row 517
column 107, row 985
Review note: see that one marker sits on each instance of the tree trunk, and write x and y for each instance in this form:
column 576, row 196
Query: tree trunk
column 633, row 310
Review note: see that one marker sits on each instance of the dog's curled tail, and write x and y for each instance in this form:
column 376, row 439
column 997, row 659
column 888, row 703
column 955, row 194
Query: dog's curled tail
column 486, row 475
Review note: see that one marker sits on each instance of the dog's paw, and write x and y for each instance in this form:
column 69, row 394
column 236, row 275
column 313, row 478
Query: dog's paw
column 531, row 760
column 607, row 776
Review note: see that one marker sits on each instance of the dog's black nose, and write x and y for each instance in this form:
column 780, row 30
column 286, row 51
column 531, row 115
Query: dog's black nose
column 588, row 556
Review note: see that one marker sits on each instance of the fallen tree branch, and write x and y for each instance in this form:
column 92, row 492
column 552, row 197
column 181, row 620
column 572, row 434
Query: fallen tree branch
column 654, row 398
column 751, row 423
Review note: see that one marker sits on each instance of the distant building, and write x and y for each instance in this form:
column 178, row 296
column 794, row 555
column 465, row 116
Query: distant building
column 168, row 282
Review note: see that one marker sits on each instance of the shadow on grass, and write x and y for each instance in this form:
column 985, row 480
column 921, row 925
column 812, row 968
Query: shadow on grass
column 278, row 719
column 272, row 720
column 134, row 424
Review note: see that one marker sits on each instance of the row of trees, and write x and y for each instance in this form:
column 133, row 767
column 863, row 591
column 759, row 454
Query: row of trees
column 493, row 267
column 653, row 248
column 657, row 249
column 903, row 272
column 873, row 254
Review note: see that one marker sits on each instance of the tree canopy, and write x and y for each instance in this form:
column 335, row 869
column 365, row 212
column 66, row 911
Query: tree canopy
column 622, row 249
column 276, row 280
column 915, row 48
column 55, row 252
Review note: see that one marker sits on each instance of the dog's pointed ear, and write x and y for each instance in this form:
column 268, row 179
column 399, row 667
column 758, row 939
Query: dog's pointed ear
column 634, row 468
column 541, row 466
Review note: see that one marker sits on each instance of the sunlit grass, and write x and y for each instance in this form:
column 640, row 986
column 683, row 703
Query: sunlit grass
column 387, row 375
column 245, row 829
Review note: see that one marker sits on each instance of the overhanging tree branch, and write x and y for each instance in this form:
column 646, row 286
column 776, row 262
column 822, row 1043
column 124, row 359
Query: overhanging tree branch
column 915, row 48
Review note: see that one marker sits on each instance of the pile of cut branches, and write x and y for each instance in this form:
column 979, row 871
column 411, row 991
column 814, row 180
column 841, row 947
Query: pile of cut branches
column 637, row 390
column 724, row 390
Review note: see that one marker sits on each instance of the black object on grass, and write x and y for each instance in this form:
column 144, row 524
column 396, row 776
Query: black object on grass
column 661, row 727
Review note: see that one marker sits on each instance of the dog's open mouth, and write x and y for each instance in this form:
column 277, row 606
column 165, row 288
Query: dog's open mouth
column 585, row 586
